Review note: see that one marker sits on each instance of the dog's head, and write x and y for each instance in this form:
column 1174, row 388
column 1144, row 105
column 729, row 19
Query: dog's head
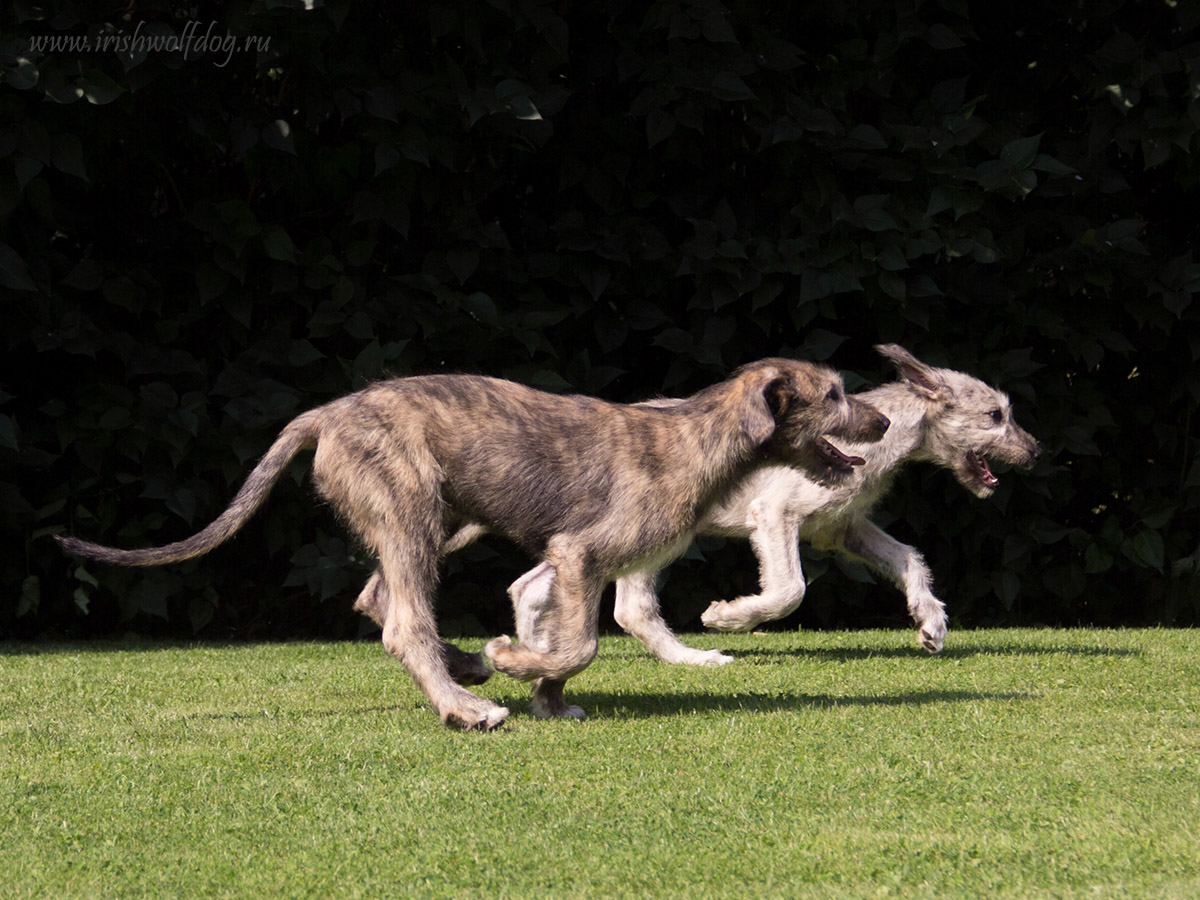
column 967, row 422
column 796, row 411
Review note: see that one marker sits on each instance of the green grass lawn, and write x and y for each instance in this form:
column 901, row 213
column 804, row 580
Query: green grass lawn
column 1017, row 764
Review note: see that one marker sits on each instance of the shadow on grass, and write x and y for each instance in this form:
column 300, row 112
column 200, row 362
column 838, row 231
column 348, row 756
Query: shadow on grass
column 852, row 653
column 748, row 654
column 602, row 705
column 607, row 705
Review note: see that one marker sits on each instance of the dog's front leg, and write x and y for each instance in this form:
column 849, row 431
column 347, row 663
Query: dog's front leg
column 564, row 633
column 637, row 610
column 904, row 567
column 530, row 596
column 776, row 541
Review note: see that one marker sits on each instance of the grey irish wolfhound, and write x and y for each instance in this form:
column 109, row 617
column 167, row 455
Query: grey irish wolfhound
column 595, row 489
column 939, row 415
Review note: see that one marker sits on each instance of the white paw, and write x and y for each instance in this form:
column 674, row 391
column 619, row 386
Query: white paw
column 723, row 616
column 495, row 718
column 481, row 716
column 707, row 658
column 932, row 634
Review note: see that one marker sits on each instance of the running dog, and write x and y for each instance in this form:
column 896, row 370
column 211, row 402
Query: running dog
column 941, row 416
column 594, row 489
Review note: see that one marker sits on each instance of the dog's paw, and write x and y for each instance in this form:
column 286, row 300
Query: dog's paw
column 724, row 616
column 929, row 642
column 481, row 716
column 715, row 658
column 496, row 648
column 690, row 657
column 932, row 635
column 932, row 622
column 542, row 709
column 467, row 669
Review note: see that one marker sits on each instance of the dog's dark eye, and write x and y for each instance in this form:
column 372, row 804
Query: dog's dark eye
column 834, row 395
column 997, row 415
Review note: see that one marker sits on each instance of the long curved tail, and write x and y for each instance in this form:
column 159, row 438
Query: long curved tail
column 300, row 434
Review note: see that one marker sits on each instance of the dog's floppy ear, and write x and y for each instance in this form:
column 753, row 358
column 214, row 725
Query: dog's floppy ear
column 920, row 376
column 766, row 398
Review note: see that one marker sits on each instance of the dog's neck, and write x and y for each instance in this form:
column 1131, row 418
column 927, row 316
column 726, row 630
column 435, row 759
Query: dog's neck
column 709, row 435
column 909, row 414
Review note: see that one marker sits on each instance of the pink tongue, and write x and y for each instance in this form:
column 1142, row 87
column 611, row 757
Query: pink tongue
column 988, row 478
column 842, row 457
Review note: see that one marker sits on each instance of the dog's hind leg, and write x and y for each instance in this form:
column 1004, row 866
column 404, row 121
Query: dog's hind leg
column 410, row 635
column 395, row 505
column 776, row 543
column 637, row 610
column 465, row 668
column 904, row 567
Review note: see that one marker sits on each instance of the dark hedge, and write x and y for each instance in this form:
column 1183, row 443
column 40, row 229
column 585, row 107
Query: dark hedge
column 201, row 240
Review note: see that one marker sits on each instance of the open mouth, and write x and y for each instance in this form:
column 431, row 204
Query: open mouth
column 982, row 471
column 835, row 459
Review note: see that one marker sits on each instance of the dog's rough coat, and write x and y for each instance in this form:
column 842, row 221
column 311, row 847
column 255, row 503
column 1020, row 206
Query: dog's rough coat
column 595, row 489
column 941, row 416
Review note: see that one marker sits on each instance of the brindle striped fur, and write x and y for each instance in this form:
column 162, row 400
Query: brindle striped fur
column 594, row 488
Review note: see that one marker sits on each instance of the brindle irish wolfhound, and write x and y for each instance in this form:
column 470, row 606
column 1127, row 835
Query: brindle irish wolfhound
column 596, row 489
column 939, row 415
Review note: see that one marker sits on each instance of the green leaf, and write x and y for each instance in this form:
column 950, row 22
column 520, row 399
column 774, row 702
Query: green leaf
column 941, row 37
column 1007, row 585
column 1123, row 235
column 482, row 308
column 8, row 433
column 31, row 596
column 893, row 285
column 278, row 136
column 278, row 244
column 1096, row 560
column 26, row 169
column 82, row 574
column 892, row 259
column 515, row 95
column 211, row 282
column 941, row 198
column 866, row 137
column 1021, row 153
column 1052, row 166
column 99, row 89
column 462, row 262
column 1146, row 549
column 716, row 29
column 731, row 88
column 1158, row 516
column 13, row 274
column 23, row 75
column 820, row 344
column 660, row 125
column 386, row 156
column 870, row 213
column 88, row 275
